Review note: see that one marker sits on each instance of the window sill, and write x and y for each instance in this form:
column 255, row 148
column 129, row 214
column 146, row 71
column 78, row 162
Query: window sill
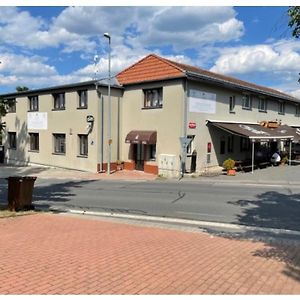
column 58, row 109
column 33, row 110
column 83, row 107
column 232, row 112
column 262, row 111
column 154, row 107
column 281, row 114
column 247, row 108
column 82, row 156
column 34, row 151
column 56, row 153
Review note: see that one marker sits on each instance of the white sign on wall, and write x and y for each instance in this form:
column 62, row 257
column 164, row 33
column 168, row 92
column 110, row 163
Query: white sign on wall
column 202, row 102
column 37, row 120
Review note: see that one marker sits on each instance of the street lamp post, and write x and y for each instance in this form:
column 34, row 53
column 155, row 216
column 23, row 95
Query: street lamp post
column 106, row 35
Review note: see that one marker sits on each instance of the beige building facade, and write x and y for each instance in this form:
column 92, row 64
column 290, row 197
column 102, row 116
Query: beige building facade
column 158, row 107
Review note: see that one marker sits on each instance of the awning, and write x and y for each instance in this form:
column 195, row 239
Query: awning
column 141, row 137
column 257, row 132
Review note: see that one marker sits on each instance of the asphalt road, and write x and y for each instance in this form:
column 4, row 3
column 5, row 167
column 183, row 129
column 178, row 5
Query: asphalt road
column 268, row 206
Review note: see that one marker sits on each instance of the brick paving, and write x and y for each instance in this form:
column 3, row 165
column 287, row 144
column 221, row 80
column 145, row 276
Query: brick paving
column 56, row 254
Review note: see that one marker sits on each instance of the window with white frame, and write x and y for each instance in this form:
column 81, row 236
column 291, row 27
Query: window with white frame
column 34, row 141
column 153, row 98
column 59, row 101
column 33, row 103
column 83, row 144
column 59, row 143
column 231, row 103
column 247, row 102
column 82, row 98
column 262, row 104
column 281, row 108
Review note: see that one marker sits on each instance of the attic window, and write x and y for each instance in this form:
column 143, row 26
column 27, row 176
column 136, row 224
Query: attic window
column 153, row 98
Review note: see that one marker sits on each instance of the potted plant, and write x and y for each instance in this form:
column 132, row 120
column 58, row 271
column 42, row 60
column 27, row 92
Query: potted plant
column 228, row 165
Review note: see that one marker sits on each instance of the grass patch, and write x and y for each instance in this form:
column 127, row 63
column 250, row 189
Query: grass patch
column 6, row 213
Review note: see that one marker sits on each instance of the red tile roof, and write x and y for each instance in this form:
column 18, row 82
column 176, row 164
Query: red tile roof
column 150, row 68
column 154, row 67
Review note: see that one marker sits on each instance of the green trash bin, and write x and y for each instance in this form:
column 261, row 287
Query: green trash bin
column 19, row 195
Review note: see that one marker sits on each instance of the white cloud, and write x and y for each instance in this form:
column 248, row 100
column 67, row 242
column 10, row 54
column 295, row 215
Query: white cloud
column 281, row 56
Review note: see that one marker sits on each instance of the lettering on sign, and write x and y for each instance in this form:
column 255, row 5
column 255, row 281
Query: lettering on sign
column 253, row 130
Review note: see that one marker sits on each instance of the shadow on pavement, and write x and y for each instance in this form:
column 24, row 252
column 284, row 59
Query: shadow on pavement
column 271, row 210
column 45, row 196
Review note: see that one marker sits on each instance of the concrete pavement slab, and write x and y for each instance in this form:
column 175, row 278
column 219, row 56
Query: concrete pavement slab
column 59, row 254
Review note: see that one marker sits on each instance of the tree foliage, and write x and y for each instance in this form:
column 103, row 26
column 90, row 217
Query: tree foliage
column 22, row 88
column 294, row 21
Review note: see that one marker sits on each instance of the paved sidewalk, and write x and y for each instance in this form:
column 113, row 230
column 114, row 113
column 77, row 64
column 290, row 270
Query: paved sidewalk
column 59, row 173
column 59, row 254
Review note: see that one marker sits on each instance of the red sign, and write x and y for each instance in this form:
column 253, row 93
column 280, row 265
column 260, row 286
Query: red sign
column 192, row 125
column 208, row 147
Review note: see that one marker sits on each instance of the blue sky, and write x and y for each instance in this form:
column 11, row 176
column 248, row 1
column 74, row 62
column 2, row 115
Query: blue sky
column 47, row 46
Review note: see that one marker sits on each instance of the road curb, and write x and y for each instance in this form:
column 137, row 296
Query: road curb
column 178, row 221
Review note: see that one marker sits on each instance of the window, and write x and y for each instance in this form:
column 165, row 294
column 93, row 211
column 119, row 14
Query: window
column 12, row 140
column 231, row 103
column 281, row 108
column 59, row 101
column 153, row 98
column 83, row 144
column 262, row 105
column 34, row 141
column 59, row 143
column 247, row 102
column 152, row 152
column 245, row 144
column 297, row 110
column 82, row 99
column 190, row 146
column 11, row 105
column 33, row 103
column 222, row 146
column 230, row 144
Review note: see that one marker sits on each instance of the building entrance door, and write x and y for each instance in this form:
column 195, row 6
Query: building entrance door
column 139, row 156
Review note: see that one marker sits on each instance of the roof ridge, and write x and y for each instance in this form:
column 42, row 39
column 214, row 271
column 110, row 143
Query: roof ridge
column 226, row 77
column 169, row 62
column 152, row 55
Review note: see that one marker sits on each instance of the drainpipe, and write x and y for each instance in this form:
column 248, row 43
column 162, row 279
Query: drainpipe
column 290, row 152
column 183, row 149
column 100, row 96
column 252, row 156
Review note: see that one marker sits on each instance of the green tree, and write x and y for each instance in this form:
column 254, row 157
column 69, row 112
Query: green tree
column 22, row 88
column 294, row 20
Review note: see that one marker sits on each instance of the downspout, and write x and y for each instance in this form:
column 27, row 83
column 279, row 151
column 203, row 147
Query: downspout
column 183, row 149
column 290, row 152
column 100, row 96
